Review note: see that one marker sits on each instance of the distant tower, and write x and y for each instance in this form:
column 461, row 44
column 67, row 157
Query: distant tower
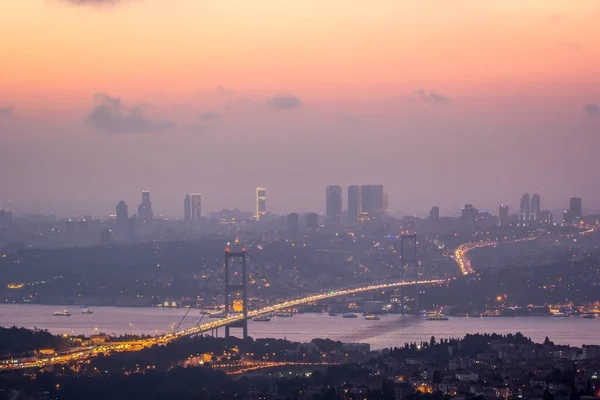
column 187, row 208
column 354, row 204
column 434, row 214
column 312, row 221
column 503, row 215
column 145, row 214
column 333, row 204
column 261, row 202
column 122, row 220
column 195, row 206
column 524, row 211
column 292, row 222
column 372, row 200
column 575, row 209
column 384, row 203
column 534, row 212
column 469, row 214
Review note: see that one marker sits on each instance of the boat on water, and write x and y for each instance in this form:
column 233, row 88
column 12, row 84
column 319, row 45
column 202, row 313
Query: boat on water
column 332, row 314
column 62, row 313
column 87, row 311
column 261, row 318
column 284, row 314
column 436, row 317
column 561, row 315
column 589, row 316
column 350, row 315
column 217, row 315
column 372, row 317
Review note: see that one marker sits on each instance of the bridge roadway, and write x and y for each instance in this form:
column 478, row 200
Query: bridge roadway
column 81, row 354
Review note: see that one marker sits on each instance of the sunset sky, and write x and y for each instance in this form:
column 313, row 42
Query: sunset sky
column 443, row 102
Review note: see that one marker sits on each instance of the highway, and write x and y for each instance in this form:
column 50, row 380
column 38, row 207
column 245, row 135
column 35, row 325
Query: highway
column 461, row 255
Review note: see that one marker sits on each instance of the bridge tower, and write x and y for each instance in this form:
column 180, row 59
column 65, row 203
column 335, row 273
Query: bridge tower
column 409, row 256
column 233, row 262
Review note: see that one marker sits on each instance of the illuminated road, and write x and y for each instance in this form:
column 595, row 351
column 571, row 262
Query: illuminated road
column 82, row 354
column 461, row 255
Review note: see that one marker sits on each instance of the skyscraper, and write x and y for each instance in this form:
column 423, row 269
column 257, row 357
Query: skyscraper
column 524, row 211
column 187, row 208
column 575, row 208
column 292, row 222
column 534, row 212
column 312, row 221
column 145, row 213
column 434, row 214
column 503, row 215
column 469, row 214
column 354, row 204
column 122, row 220
column 333, row 204
column 195, row 206
column 372, row 199
column 261, row 202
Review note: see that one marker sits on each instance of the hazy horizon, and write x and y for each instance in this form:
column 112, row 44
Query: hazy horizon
column 442, row 103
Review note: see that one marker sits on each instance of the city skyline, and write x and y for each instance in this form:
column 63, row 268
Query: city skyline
column 507, row 104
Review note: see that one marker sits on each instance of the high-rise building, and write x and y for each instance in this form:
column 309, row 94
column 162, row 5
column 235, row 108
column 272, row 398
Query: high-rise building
column 372, row 200
column 261, row 202
column 195, row 206
column 575, row 208
column 524, row 210
column 122, row 220
column 333, row 204
column 503, row 215
column 312, row 221
column 384, row 203
column 534, row 211
column 469, row 214
column 546, row 218
column 187, row 208
column 354, row 204
column 292, row 222
column 434, row 214
column 145, row 214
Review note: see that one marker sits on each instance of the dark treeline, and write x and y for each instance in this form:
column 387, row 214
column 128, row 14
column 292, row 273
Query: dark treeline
column 17, row 341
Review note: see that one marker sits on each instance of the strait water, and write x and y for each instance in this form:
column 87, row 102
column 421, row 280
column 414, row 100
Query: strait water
column 391, row 330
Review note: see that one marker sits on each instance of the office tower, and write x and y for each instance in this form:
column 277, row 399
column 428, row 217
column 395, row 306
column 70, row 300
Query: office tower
column 122, row 220
column 292, row 222
column 354, row 204
column 195, row 206
column 546, row 218
column 469, row 214
column 145, row 213
column 187, row 208
column 503, row 215
column 434, row 214
column 261, row 202
column 534, row 211
column 384, row 203
column 524, row 210
column 575, row 209
column 312, row 221
column 333, row 204
column 372, row 200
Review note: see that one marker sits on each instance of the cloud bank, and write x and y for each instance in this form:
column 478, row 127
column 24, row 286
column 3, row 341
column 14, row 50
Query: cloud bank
column 431, row 97
column 109, row 115
column 8, row 110
column 591, row 110
column 283, row 101
column 92, row 2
